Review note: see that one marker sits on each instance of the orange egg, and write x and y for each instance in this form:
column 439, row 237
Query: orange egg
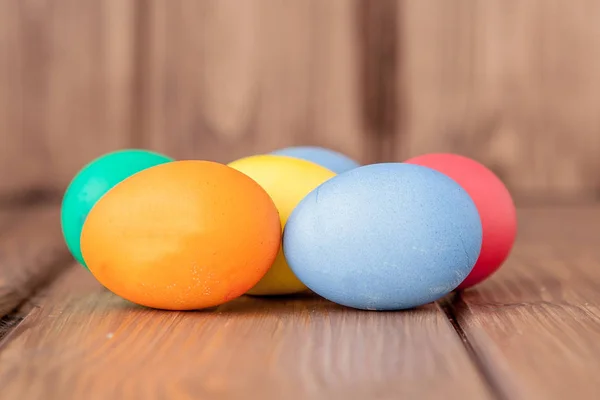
column 183, row 235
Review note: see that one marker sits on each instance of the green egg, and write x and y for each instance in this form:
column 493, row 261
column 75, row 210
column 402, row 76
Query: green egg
column 92, row 182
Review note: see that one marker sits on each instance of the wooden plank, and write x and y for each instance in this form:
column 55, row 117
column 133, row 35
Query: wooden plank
column 226, row 79
column 81, row 341
column 66, row 87
column 512, row 84
column 536, row 325
column 32, row 252
column 380, row 69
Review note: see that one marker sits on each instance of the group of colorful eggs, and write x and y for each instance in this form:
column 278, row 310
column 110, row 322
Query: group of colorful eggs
column 184, row 235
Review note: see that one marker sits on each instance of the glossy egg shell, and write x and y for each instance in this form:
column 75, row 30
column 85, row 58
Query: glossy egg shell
column 384, row 237
column 288, row 181
column 92, row 182
column 333, row 160
column 183, row 235
column 495, row 205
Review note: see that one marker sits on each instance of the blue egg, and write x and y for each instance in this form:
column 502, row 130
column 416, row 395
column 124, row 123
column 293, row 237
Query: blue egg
column 384, row 237
column 329, row 159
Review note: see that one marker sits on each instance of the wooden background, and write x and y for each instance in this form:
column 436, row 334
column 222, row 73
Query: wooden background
column 512, row 83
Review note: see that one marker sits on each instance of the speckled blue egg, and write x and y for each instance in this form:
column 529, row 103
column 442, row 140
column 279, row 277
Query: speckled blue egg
column 332, row 160
column 384, row 237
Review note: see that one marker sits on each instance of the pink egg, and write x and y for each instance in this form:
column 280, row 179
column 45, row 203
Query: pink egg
column 494, row 203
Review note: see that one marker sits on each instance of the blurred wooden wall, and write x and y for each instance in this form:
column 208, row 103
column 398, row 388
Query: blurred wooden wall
column 512, row 83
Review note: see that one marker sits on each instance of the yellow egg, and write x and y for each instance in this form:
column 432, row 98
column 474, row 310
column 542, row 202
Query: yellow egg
column 287, row 180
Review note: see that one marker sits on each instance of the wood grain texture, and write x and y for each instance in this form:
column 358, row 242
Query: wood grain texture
column 66, row 87
column 514, row 84
column 84, row 342
column 535, row 327
column 380, row 70
column 31, row 253
column 224, row 79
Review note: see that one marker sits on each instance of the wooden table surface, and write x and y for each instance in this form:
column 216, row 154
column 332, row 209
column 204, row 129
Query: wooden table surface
column 530, row 332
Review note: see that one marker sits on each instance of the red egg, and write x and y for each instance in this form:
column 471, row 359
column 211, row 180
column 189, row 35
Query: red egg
column 494, row 203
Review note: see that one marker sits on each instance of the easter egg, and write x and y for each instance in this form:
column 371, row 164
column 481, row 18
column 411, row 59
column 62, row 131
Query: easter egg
column 384, row 237
column 329, row 159
column 495, row 205
column 288, row 181
column 92, row 182
column 181, row 236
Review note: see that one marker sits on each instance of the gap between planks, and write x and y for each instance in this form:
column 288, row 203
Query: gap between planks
column 534, row 327
column 81, row 336
column 32, row 253
column 47, row 240
column 448, row 305
column 342, row 352
column 536, row 320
